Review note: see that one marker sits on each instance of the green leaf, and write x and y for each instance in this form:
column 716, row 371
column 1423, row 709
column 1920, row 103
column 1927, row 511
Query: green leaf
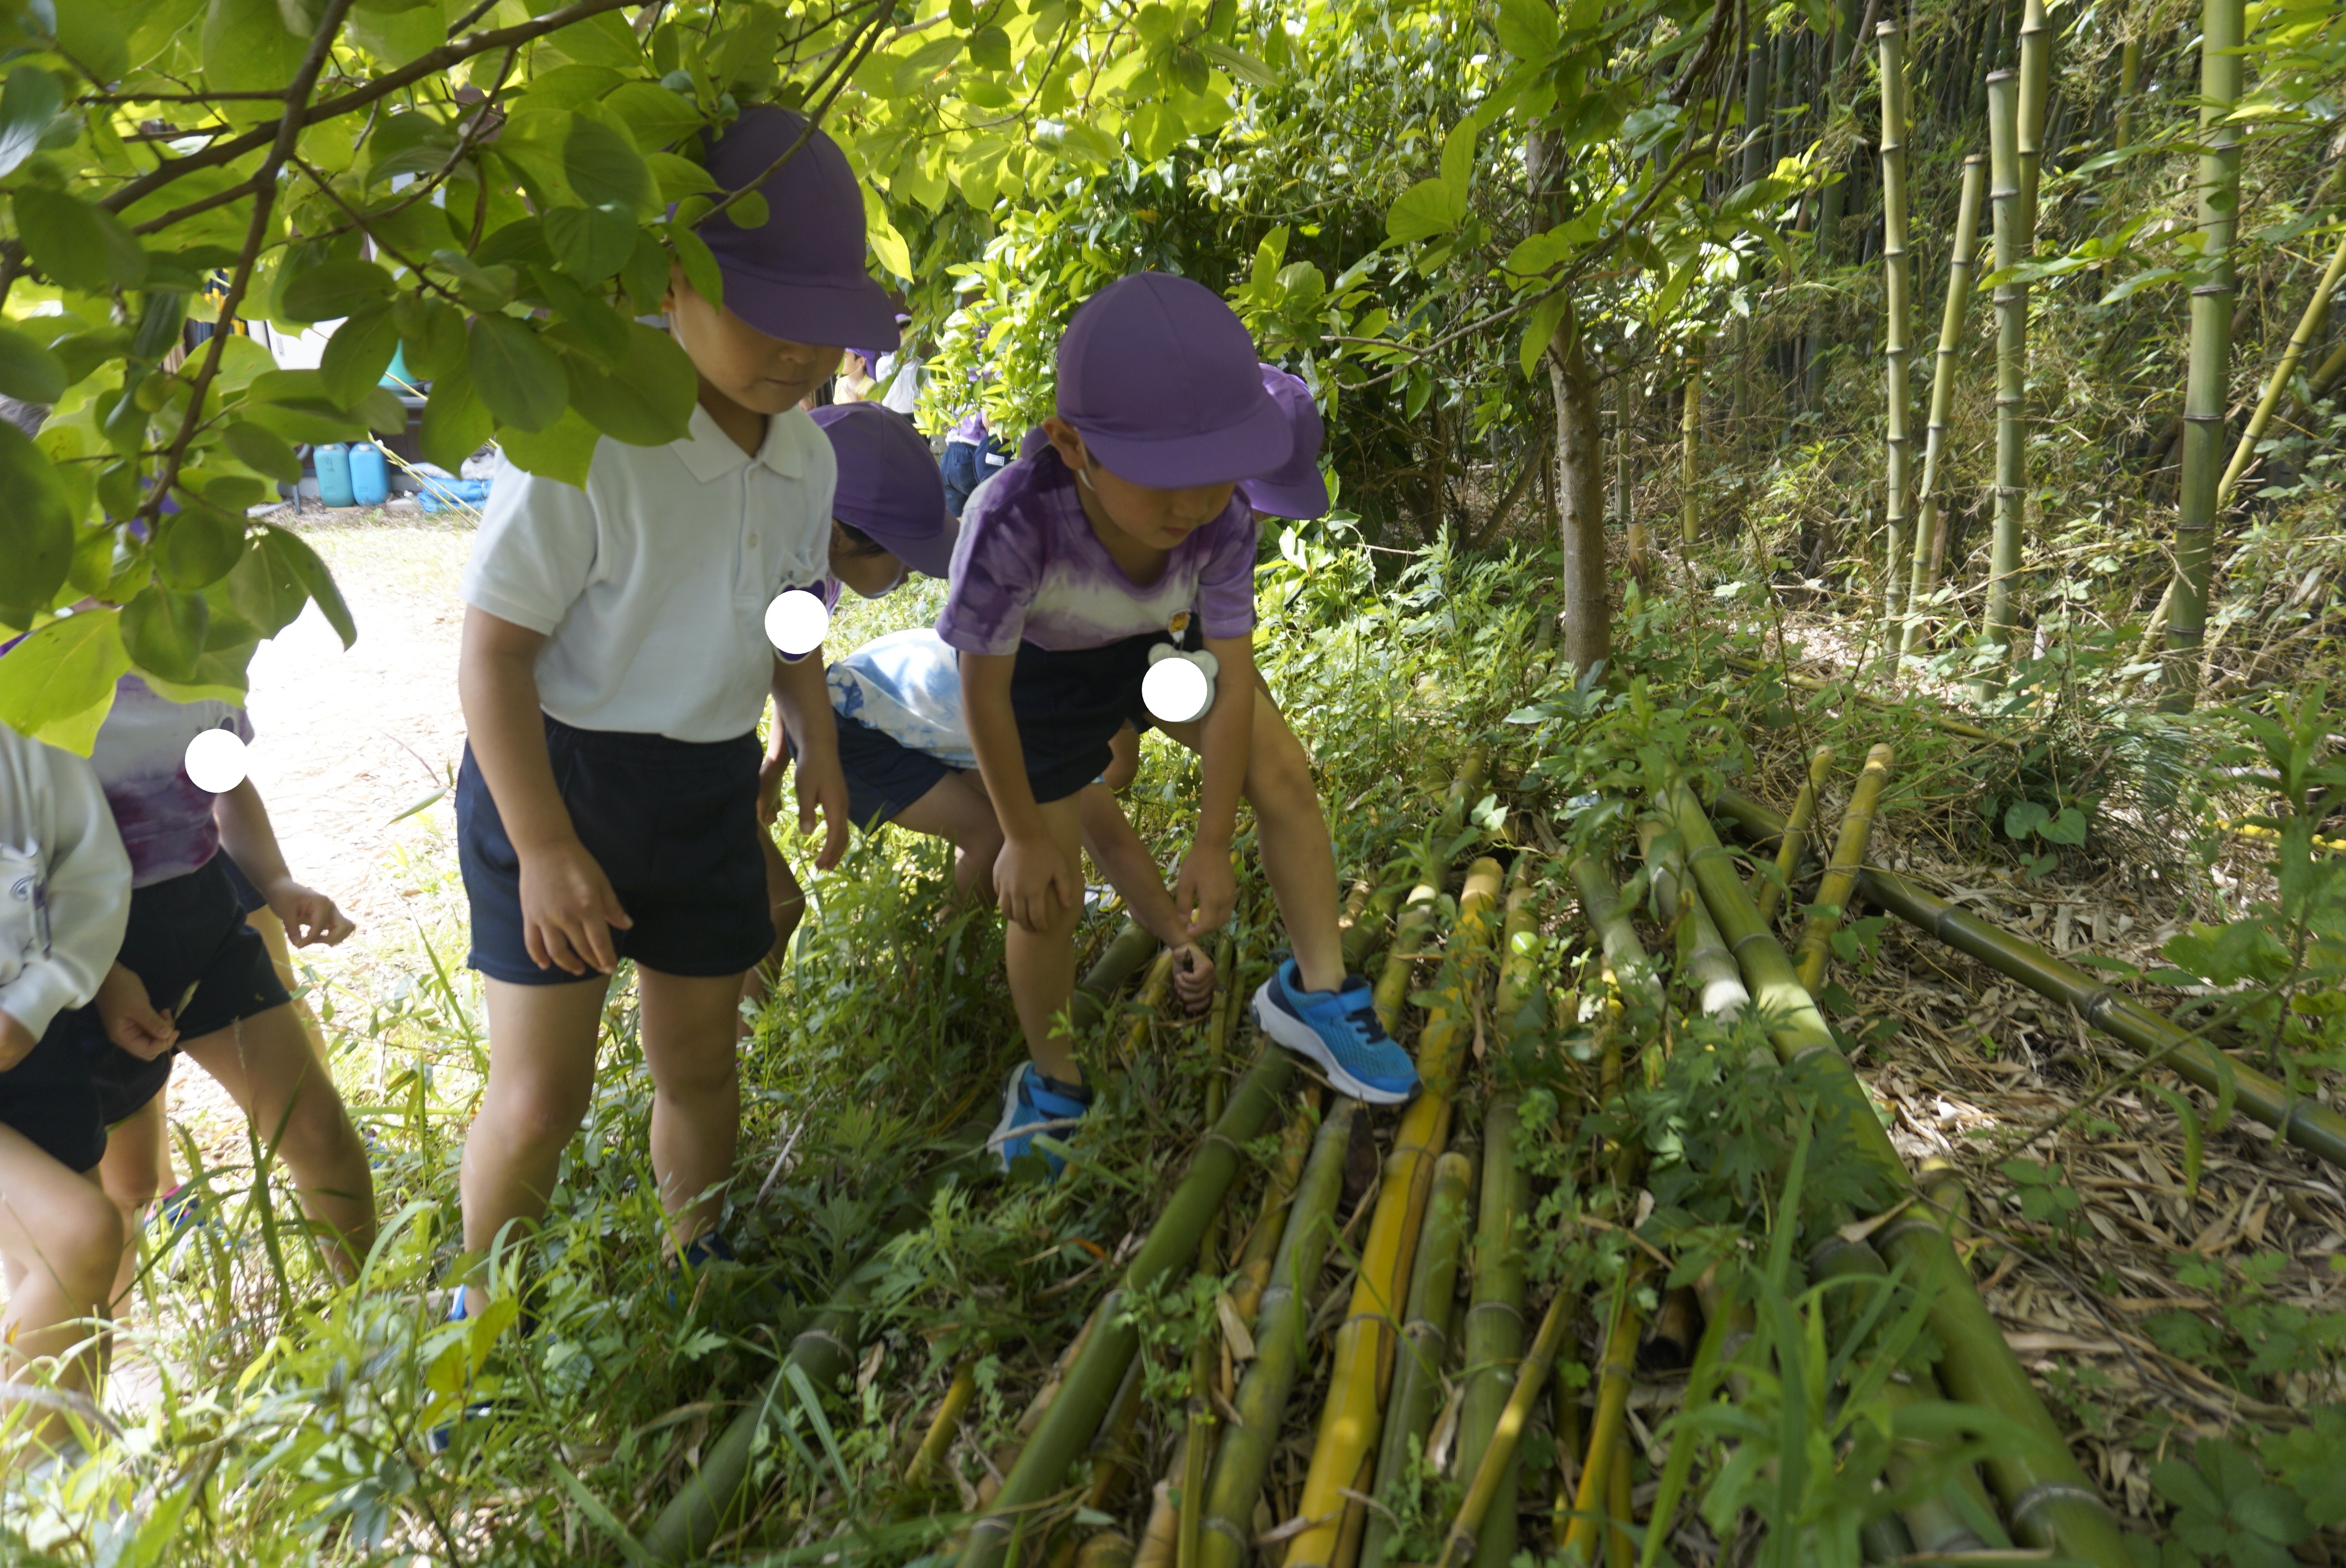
column 700, row 264
column 455, row 420
column 334, row 288
column 1155, row 130
column 28, row 104
column 358, row 354
column 1539, row 330
column 2271, row 1511
column 164, row 631
column 1527, row 28
column 197, row 546
column 2023, row 818
column 28, row 371
column 605, row 39
column 264, row 450
column 1429, row 208
column 596, row 328
column 78, row 244
column 266, row 587
column 565, row 450
column 1242, row 65
column 57, row 684
column 2184, row 1488
column 605, row 170
column 677, row 176
column 1458, row 153
column 648, row 400
column 37, row 528
column 590, row 243
column 518, row 377
column 645, row 274
column 247, row 47
column 657, row 116
column 2067, row 827
column 311, row 572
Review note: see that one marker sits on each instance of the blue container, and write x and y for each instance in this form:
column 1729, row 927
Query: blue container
column 397, row 378
column 370, row 476
column 453, row 494
column 334, row 460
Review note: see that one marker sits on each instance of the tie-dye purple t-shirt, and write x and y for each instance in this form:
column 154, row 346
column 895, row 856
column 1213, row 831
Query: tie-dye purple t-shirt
column 141, row 761
column 1029, row 568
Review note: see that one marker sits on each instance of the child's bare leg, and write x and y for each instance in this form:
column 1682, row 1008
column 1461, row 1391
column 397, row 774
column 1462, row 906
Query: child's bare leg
column 786, row 905
column 131, row 1172
column 696, row 1092
column 956, row 809
column 1041, row 963
column 541, row 1072
column 1291, row 833
column 271, row 1068
column 280, row 956
column 62, row 1238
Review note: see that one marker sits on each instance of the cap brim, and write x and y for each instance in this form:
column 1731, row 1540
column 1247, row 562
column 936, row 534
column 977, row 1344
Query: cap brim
column 832, row 314
column 931, row 555
column 1258, row 445
column 1299, row 500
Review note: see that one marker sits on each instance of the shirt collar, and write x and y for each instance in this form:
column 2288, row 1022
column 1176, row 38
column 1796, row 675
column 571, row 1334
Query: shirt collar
column 711, row 454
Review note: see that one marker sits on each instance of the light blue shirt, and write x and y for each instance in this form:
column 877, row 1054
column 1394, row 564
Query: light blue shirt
column 907, row 686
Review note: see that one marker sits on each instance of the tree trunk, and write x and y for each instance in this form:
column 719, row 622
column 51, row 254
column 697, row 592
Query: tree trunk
column 1897, row 311
column 2206, row 388
column 1580, row 481
column 1690, row 448
column 1787, row 86
column 1930, row 530
column 1755, row 104
column 2010, row 364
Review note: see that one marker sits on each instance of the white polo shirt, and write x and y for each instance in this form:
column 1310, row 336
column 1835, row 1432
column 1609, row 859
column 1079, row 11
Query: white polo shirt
column 651, row 584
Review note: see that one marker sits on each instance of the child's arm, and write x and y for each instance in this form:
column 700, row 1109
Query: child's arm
column 1204, row 890
column 1132, row 871
column 1030, row 876
column 567, row 906
column 250, row 840
column 803, row 712
column 87, row 888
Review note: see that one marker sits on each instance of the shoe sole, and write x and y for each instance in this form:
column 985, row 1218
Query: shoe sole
column 1285, row 1029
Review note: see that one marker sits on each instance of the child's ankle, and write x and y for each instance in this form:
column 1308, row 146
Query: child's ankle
column 1074, row 1089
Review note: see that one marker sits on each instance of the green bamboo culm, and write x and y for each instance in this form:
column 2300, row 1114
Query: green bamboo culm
column 1495, row 1323
column 2307, row 1123
column 1226, row 1537
column 1840, row 886
column 1424, row 1346
column 1134, row 946
column 2130, row 84
column 1897, row 268
column 2028, row 118
column 2052, row 1502
column 2308, row 324
column 1930, row 526
column 1690, row 448
column 1491, row 1487
column 2206, row 384
column 1091, row 1383
column 1703, row 958
column 1625, row 955
column 2011, row 368
column 1796, row 836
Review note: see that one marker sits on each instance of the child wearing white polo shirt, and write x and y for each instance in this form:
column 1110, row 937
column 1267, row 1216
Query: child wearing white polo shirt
column 614, row 667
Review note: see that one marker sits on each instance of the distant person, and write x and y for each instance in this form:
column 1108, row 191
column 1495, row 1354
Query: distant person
column 614, row 667
column 855, row 382
column 971, row 456
column 1124, row 534
column 900, row 375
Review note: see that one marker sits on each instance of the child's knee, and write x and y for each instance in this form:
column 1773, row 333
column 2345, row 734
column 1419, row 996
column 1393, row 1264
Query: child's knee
column 1279, row 774
column 537, row 1112
column 79, row 1239
column 698, row 1076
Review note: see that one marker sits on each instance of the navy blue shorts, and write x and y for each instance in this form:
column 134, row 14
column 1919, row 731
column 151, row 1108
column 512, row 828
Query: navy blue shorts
column 51, row 1096
column 673, row 824
column 883, row 774
column 1069, row 705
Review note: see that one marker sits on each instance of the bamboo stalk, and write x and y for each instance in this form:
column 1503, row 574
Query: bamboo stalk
column 1897, row 312
column 1363, row 924
column 2011, row 300
column 1348, row 1423
column 1494, row 1325
column 1260, row 1249
column 944, row 1425
column 1625, row 955
column 1157, row 1537
column 1091, row 1383
column 1620, row 1550
column 1464, row 792
column 2307, row 1123
column 1930, row 529
column 1615, row 1375
column 1796, row 833
column 1690, row 448
column 2206, row 386
column 2130, row 84
column 1425, row 1345
column 2052, row 1500
column 2035, row 87
column 1410, row 934
column 1703, row 957
column 1133, row 947
column 1493, row 1486
column 2307, row 324
column 1108, row 1549
column 1114, row 1464
column 1841, row 878
column 1227, row 1536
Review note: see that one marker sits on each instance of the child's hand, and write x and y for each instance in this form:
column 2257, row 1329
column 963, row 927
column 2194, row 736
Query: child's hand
column 770, row 788
column 309, row 916
column 822, row 784
column 17, row 1042
column 130, row 1020
column 1033, row 881
column 567, row 909
column 1193, row 978
column 1205, row 890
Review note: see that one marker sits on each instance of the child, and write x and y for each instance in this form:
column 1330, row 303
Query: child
column 193, row 976
column 612, row 669
column 65, row 897
column 1077, row 562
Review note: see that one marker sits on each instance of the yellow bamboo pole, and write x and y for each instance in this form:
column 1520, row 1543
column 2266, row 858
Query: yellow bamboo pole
column 2306, row 326
column 1350, row 1420
column 1796, row 832
column 1839, row 885
column 1606, row 1431
column 944, row 1425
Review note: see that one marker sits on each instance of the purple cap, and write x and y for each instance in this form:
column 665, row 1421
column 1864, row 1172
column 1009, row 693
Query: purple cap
column 1161, row 379
column 1295, row 490
column 889, row 485
column 799, row 276
column 1035, row 439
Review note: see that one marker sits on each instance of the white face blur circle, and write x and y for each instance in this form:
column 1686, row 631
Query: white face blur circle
column 797, row 622
column 1176, row 690
column 215, row 762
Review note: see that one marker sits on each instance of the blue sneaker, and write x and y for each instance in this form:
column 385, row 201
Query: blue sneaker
column 1340, row 1030
column 1030, row 1104
column 441, row 1439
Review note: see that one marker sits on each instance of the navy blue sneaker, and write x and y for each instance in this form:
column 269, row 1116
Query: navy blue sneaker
column 696, row 1255
column 1032, row 1104
column 1340, row 1030
column 442, row 1438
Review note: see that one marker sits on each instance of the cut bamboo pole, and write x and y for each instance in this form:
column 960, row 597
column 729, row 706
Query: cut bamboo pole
column 1108, row 1549
column 1796, row 835
column 1703, row 957
column 1625, row 955
column 1465, row 792
column 1493, row 1488
column 1114, row 1465
column 1133, row 947
column 2052, row 1501
column 2011, row 299
column 1349, row 1423
column 1931, row 526
column 1621, row 1550
column 1897, row 317
column 1605, row 1431
column 1425, row 1345
column 1840, row 886
column 2307, row 1123
column 2307, row 324
column 1091, row 1383
column 1158, row 1538
column 1260, row 1249
column 1410, row 934
column 1494, row 1325
column 944, row 1425
column 1227, row 1537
